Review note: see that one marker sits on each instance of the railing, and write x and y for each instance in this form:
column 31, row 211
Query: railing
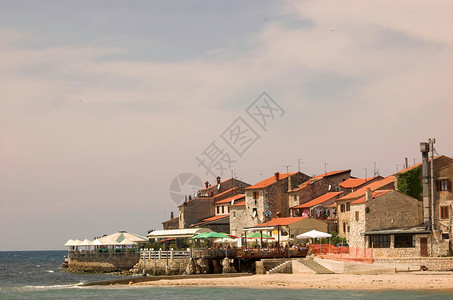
column 152, row 254
column 97, row 253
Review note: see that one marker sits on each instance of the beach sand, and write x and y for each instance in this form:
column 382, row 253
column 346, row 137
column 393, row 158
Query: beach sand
column 399, row 281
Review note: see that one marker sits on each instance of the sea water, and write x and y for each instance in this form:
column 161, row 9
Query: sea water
column 39, row 275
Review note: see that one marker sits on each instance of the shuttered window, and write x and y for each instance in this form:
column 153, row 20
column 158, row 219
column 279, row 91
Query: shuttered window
column 444, row 212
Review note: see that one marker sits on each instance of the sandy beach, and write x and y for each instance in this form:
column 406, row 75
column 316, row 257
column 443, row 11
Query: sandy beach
column 400, row 281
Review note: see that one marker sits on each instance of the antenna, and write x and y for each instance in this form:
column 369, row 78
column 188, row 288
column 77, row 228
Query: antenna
column 396, row 168
column 366, row 171
column 287, row 168
column 299, row 161
column 325, row 167
column 374, row 169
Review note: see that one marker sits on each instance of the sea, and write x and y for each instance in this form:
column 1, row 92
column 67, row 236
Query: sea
column 39, row 275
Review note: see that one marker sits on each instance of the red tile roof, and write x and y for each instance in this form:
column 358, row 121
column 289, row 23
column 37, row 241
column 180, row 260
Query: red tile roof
column 228, row 200
column 355, row 182
column 375, row 194
column 224, row 193
column 331, row 173
column 305, row 184
column 321, row 199
column 268, row 181
column 281, row 221
column 213, row 185
column 238, row 203
column 372, row 186
column 210, row 219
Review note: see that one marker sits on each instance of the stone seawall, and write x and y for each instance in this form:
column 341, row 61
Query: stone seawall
column 97, row 264
column 430, row 263
column 180, row 266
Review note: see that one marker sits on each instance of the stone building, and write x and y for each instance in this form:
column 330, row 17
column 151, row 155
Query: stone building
column 320, row 208
column 172, row 223
column 286, row 229
column 238, row 217
column 344, row 203
column 443, row 208
column 317, row 186
column 203, row 205
column 353, row 184
column 270, row 195
column 386, row 220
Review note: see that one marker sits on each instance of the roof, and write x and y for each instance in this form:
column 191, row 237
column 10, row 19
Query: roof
column 238, row 203
column 169, row 220
column 321, row 199
column 419, row 164
column 269, row 181
column 210, row 219
column 226, row 192
column 376, row 185
column 231, row 200
column 189, row 232
column 355, row 182
column 374, row 195
column 305, row 184
column 215, row 184
column 414, row 230
column 331, row 173
column 281, row 221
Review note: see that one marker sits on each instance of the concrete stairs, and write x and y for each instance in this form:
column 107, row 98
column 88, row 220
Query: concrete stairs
column 285, row 267
column 314, row 266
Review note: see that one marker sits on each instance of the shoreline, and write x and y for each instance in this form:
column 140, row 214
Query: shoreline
column 397, row 281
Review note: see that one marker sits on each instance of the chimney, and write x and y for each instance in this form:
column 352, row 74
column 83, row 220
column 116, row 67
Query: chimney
column 424, row 149
column 278, row 215
column 206, row 184
column 277, row 176
column 218, row 179
column 289, row 183
column 368, row 194
column 172, row 215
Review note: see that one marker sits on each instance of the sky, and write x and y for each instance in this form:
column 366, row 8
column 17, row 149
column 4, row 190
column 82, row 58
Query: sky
column 104, row 103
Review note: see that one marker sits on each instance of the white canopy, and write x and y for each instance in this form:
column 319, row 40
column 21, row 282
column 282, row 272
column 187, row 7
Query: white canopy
column 177, row 233
column 313, row 234
column 97, row 242
column 70, row 243
column 86, row 242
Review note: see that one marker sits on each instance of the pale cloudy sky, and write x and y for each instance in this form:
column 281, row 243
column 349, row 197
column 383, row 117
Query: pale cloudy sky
column 104, row 102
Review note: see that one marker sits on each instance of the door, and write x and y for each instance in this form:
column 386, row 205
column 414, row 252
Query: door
column 424, row 247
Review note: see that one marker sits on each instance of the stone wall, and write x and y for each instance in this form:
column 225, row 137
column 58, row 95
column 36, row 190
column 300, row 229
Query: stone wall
column 393, row 210
column 357, row 227
column 102, row 264
column 431, row 263
column 238, row 222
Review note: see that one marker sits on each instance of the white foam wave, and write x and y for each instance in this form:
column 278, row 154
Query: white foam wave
column 50, row 271
column 48, row 287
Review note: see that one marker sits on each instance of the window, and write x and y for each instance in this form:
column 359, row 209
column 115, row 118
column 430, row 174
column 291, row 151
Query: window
column 348, row 206
column 223, row 209
column 404, row 241
column 444, row 212
column 234, row 214
column 356, row 215
column 380, row 241
column 445, row 236
column 254, row 213
column 255, row 195
column 444, row 185
column 349, row 229
column 218, row 209
column 342, row 206
column 344, row 227
column 255, row 202
column 228, row 209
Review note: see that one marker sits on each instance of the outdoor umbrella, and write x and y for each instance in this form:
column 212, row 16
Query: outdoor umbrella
column 258, row 235
column 200, row 236
column 214, row 234
column 313, row 234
